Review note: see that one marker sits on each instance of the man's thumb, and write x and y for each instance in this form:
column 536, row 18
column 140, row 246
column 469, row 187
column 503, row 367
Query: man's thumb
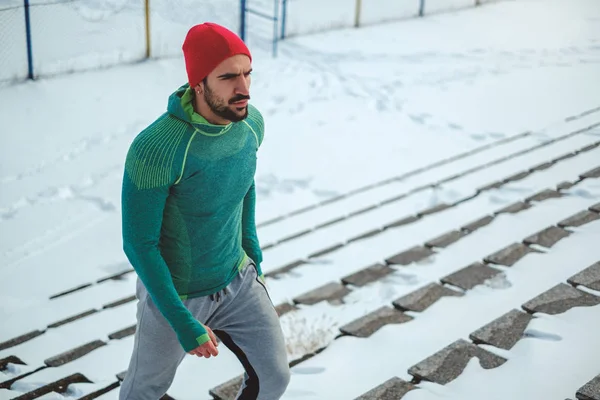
column 213, row 338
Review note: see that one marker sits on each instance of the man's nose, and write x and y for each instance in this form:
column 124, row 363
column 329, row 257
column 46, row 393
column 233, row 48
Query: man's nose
column 243, row 85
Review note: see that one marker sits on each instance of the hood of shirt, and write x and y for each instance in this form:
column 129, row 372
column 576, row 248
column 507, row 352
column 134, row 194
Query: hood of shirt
column 180, row 106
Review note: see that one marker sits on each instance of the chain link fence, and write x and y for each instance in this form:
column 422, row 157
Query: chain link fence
column 171, row 19
column 65, row 36
column 13, row 41
column 48, row 37
column 311, row 16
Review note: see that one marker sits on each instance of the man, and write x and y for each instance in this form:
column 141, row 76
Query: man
column 188, row 202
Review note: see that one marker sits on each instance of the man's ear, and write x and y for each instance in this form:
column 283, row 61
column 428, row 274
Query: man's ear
column 199, row 89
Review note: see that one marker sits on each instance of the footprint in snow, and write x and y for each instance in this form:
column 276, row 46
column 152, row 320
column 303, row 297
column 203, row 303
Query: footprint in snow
column 498, row 282
column 496, row 135
column 535, row 334
column 420, row 119
column 477, row 136
column 583, row 193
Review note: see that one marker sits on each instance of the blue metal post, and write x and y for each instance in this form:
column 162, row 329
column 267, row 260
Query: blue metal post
column 243, row 19
column 275, row 26
column 422, row 8
column 28, row 33
column 283, row 18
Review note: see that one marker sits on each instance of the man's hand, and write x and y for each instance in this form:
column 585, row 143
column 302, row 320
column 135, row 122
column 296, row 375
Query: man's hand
column 207, row 349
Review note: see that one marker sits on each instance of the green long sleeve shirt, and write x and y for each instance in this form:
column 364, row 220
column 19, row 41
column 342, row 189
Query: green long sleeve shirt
column 188, row 205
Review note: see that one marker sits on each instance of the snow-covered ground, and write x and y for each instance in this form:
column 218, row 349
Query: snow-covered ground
column 364, row 127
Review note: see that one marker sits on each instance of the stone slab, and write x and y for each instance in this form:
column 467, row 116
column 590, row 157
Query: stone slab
column 284, row 308
column 505, row 331
column 509, row 255
column 447, row 364
column 367, row 325
column 559, row 299
column 446, row 239
column 544, row 195
column 589, row 277
column 73, row 318
column 365, row 235
column 362, row 211
column 59, row 386
column 99, row 393
column 329, row 223
column 411, row 255
column 123, row 333
column 542, row 166
column 434, row 209
column 481, row 222
column 470, row 276
column 392, row 389
column 565, row 156
column 393, row 199
column 590, row 391
column 578, row 219
column 547, row 237
column 328, row 250
column 119, row 276
column 10, row 360
column 330, row 291
column 424, row 297
column 588, row 147
column 295, row 236
column 73, row 290
column 227, row 390
column 73, row 354
column 517, row 177
column 565, row 185
column 20, row 339
column 120, row 302
column 402, row 221
column 368, row 275
column 593, row 173
column 595, row 208
column 514, row 208
column 285, row 269
column 489, row 186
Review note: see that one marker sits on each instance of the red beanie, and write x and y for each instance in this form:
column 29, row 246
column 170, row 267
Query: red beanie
column 206, row 46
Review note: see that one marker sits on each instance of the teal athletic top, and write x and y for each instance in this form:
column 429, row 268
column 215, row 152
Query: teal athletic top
column 188, row 208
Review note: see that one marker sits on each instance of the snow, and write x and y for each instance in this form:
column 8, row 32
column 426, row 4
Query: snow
column 392, row 118
column 555, row 339
column 364, row 364
column 109, row 35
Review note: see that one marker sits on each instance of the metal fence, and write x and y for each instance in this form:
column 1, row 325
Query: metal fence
column 48, row 37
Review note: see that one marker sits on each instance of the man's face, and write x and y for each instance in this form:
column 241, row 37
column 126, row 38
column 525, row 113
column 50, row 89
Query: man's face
column 227, row 88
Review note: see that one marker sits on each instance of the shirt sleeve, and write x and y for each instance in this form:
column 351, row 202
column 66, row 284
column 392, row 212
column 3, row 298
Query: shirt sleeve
column 250, row 242
column 150, row 171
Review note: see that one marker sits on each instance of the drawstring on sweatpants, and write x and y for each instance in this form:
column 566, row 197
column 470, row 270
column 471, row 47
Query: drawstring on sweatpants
column 219, row 295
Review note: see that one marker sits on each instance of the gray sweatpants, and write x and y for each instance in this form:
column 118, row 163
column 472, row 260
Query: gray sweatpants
column 243, row 319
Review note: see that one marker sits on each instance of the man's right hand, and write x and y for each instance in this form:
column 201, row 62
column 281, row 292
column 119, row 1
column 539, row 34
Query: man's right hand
column 207, row 349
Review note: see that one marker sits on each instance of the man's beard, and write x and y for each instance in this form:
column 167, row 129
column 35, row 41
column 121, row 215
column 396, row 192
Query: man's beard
column 221, row 108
